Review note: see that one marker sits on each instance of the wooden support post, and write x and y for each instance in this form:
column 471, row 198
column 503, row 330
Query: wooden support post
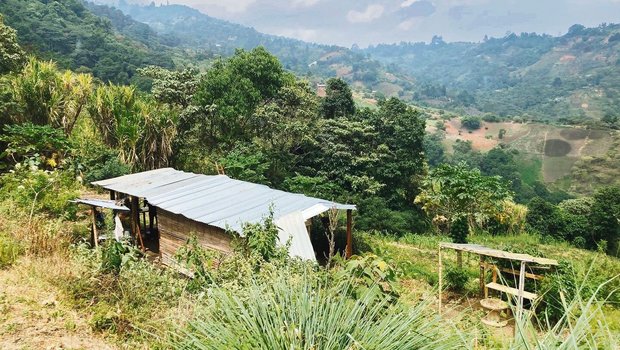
column 95, row 234
column 482, row 276
column 349, row 249
column 135, row 221
column 459, row 259
column 112, row 195
column 440, row 279
column 520, row 293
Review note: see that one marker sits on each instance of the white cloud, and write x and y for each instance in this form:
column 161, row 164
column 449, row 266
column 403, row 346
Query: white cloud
column 305, row 3
column 371, row 13
column 407, row 3
column 232, row 6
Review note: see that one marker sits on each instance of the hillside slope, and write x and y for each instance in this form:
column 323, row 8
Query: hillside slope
column 67, row 32
column 570, row 78
column 194, row 30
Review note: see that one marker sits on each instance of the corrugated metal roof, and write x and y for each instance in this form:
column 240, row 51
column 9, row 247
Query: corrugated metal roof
column 218, row 200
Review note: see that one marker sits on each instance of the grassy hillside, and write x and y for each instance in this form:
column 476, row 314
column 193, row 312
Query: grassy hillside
column 575, row 159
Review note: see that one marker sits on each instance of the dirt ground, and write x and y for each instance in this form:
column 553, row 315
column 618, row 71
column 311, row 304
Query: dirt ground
column 33, row 314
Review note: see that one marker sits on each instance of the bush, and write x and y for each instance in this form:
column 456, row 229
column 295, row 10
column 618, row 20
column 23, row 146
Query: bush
column 544, row 218
column 459, row 230
column 299, row 311
column 471, row 123
column 456, row 279
column 24, row 141
column 10, row 249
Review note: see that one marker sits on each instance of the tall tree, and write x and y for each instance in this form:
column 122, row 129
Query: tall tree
column 11, row 54
column 338, row 101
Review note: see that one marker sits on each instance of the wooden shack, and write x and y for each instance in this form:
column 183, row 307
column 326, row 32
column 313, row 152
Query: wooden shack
column 213, row 208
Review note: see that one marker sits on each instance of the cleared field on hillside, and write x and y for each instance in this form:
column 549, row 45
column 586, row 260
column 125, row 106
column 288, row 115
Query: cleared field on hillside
column 571, row 154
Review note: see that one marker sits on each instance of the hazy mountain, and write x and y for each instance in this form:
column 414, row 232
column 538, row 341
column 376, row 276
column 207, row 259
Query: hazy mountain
column 573, row 76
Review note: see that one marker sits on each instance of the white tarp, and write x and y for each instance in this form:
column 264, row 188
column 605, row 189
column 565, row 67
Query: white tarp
column 292, row 229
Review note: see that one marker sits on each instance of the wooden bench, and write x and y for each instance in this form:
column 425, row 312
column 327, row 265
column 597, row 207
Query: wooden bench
column 510, row 290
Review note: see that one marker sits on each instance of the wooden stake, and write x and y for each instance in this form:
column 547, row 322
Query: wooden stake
column 459, row 259
column 349, row 249
column 95, row 234
column 135, row 221
column 440, row 279
column 482, row 273
column 520, row 293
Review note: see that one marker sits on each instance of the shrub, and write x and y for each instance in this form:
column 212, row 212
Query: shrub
column 456, row 279
column 25, row 141
column 9, row 251
column 459, row 230
column 471, row 123
column 292, row 311
column 544, row 218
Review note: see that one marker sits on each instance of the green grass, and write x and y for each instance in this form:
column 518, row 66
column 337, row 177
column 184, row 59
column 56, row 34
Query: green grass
column 530, row 169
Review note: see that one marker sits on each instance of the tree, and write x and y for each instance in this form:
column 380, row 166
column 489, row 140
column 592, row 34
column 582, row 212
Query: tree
column 544, row 218
column 338, row 101
column 139, row 128
column 12, row 57
column 43, row 95
column 471, row 123
column 228, row 96
column 605, row 218
column 451, row 191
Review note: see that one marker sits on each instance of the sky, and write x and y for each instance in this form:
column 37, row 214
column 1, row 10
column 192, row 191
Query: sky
column 364, row 22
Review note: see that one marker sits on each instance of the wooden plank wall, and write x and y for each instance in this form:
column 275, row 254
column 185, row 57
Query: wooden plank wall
column 175, row 230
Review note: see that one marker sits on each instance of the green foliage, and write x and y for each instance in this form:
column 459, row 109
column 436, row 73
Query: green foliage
column 471, row 123
column 40, row 191
column 260, row 240
column 544, row 218
column 44, row 95
column 456, row 279
column 370, row 276
column 67, row 32
column 434, row 149
column 28, row 141
column 455, row 190
column 141, row 130
column 302, row 312
column 11, row 54
column 10, row 250
column 605, row 218
column 459, row 230
column 338, row 101
column 116, row 254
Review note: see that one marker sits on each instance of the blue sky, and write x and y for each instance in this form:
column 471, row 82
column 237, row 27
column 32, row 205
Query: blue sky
column 345, row 22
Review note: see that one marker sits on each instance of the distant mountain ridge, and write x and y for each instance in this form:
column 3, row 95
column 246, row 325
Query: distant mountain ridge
column 573, row 77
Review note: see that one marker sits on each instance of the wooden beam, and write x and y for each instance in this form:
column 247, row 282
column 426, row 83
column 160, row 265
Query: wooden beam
column 440, row 279
column 483, row 290
column 513, row 272
column 349, row 249
column 135, row 221
column 95, row 234
column 520, row 293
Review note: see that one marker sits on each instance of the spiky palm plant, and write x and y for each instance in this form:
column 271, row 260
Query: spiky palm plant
column 300, row 312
